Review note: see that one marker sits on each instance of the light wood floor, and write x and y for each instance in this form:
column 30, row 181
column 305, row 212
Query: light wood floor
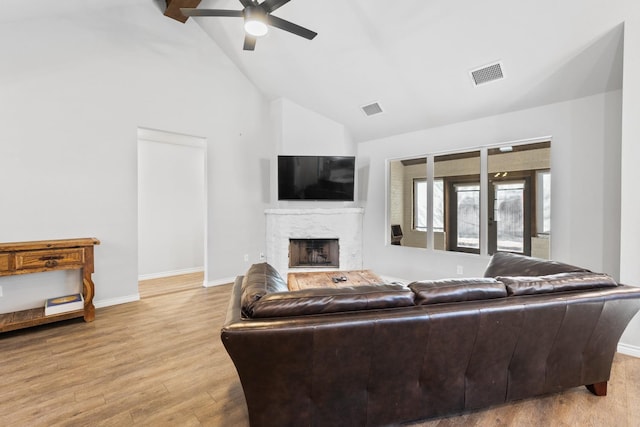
column 160, row 362
column 169, row 285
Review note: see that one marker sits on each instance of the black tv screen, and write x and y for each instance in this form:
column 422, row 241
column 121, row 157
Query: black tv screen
column 316, row 177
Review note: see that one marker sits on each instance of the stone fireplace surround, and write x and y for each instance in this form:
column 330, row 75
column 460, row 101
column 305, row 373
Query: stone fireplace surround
column 344, row 224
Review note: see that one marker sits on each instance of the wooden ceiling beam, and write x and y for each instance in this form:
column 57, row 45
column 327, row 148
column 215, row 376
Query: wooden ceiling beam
column 173, row 8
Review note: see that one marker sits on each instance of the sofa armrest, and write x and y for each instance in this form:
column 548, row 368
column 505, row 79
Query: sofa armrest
column 234, row 310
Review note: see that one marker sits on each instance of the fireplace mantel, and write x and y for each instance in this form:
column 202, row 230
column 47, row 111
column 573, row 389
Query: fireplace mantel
column 316, row 211
column 344, row 224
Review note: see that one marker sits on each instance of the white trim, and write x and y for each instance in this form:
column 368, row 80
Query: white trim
column 218, row 282
column 170, row 273
column 628, row 349
column 116, row 301
column 167, row 137
column 318, row 211
column 205, row 207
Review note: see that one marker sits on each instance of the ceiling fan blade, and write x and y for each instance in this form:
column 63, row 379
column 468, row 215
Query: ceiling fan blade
column 274, row 21
column 249, row 42
column 271, row 5
column 246, row 3
column 190, row 11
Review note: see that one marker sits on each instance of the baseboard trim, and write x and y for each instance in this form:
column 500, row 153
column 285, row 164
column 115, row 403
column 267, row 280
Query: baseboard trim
column 629, row 350
column 170, row 273
column 116, row 301
column 218, row 282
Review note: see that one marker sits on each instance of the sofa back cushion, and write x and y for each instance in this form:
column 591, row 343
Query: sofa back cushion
column 508, row 264
column 457, row 290
column 574, row 281
column 260, row 280
column 332, row 300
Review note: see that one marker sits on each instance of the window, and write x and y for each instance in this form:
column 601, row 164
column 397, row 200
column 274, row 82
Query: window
column 420, row 204
column 515, row 211
column 543, row 212
column 508, row 215
column 438, row 205
column 456, row 202
column 408, row 201
column 467, row 200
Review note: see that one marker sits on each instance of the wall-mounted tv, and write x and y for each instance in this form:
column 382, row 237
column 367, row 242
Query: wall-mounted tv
column 316, row 177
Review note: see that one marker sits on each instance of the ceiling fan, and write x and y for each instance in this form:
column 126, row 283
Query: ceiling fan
column 257, row 16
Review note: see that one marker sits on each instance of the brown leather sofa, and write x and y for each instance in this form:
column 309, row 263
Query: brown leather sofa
column 383, row 355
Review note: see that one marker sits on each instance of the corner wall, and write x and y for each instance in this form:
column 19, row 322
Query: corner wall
column 76, row 84
column 629, row 195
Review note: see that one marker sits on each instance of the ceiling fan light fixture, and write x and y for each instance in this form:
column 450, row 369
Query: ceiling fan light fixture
column 256, row 28
column 255, row 21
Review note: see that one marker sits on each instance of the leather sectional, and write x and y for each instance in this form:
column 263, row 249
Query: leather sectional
column 387, row 354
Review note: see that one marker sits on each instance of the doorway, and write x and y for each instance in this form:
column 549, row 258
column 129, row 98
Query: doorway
column 510, row 216
column 464, row 216
column 171, row 212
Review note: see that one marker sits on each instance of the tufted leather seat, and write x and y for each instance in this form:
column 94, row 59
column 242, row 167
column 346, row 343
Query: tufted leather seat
column 386, row 366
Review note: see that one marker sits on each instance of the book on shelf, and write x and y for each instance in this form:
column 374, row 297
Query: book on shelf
column 63, row 304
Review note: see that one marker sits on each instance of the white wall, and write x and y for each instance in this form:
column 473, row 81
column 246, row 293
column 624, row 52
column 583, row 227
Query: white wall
column 630, row 197
column 171, row 207
column 583, row 132
column 298, row 132
column 305, row 132
column 77, row 81
column 589, row 151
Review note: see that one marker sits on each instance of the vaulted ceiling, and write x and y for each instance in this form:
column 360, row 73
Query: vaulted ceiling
column 414, row 57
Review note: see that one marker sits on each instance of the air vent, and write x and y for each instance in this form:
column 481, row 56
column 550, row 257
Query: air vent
column 372, row 109
column 487, row 74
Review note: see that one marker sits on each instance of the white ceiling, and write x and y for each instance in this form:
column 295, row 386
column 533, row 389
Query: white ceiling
column 414, row 57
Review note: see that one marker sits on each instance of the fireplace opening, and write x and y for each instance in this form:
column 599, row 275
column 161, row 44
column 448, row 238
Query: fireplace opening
column 314, row 253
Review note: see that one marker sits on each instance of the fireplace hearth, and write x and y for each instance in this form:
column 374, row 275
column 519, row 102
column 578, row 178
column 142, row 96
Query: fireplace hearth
column 314, row 253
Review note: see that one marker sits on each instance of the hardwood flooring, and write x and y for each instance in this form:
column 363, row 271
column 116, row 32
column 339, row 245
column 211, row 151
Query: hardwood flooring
column 168, row 285
column 160, row 362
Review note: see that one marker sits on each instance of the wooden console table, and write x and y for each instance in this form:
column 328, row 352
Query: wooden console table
column 48, row 255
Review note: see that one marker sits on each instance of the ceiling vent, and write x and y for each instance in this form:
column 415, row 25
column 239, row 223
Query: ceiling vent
column 486, row 74
column 372, row 109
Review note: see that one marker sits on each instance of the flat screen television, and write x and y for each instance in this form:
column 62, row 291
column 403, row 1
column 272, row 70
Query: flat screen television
column 316, row 177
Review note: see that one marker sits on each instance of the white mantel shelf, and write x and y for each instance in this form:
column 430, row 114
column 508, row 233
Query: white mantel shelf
column 344, row 224
column 318, row 211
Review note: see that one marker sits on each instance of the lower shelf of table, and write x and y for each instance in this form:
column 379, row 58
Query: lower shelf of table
column 33, row 317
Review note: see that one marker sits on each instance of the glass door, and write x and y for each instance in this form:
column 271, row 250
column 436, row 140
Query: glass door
column 465, row 218
column 509, row 212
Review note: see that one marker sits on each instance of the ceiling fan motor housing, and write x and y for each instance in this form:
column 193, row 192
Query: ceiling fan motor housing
column 255, row 13
column 255, row 20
